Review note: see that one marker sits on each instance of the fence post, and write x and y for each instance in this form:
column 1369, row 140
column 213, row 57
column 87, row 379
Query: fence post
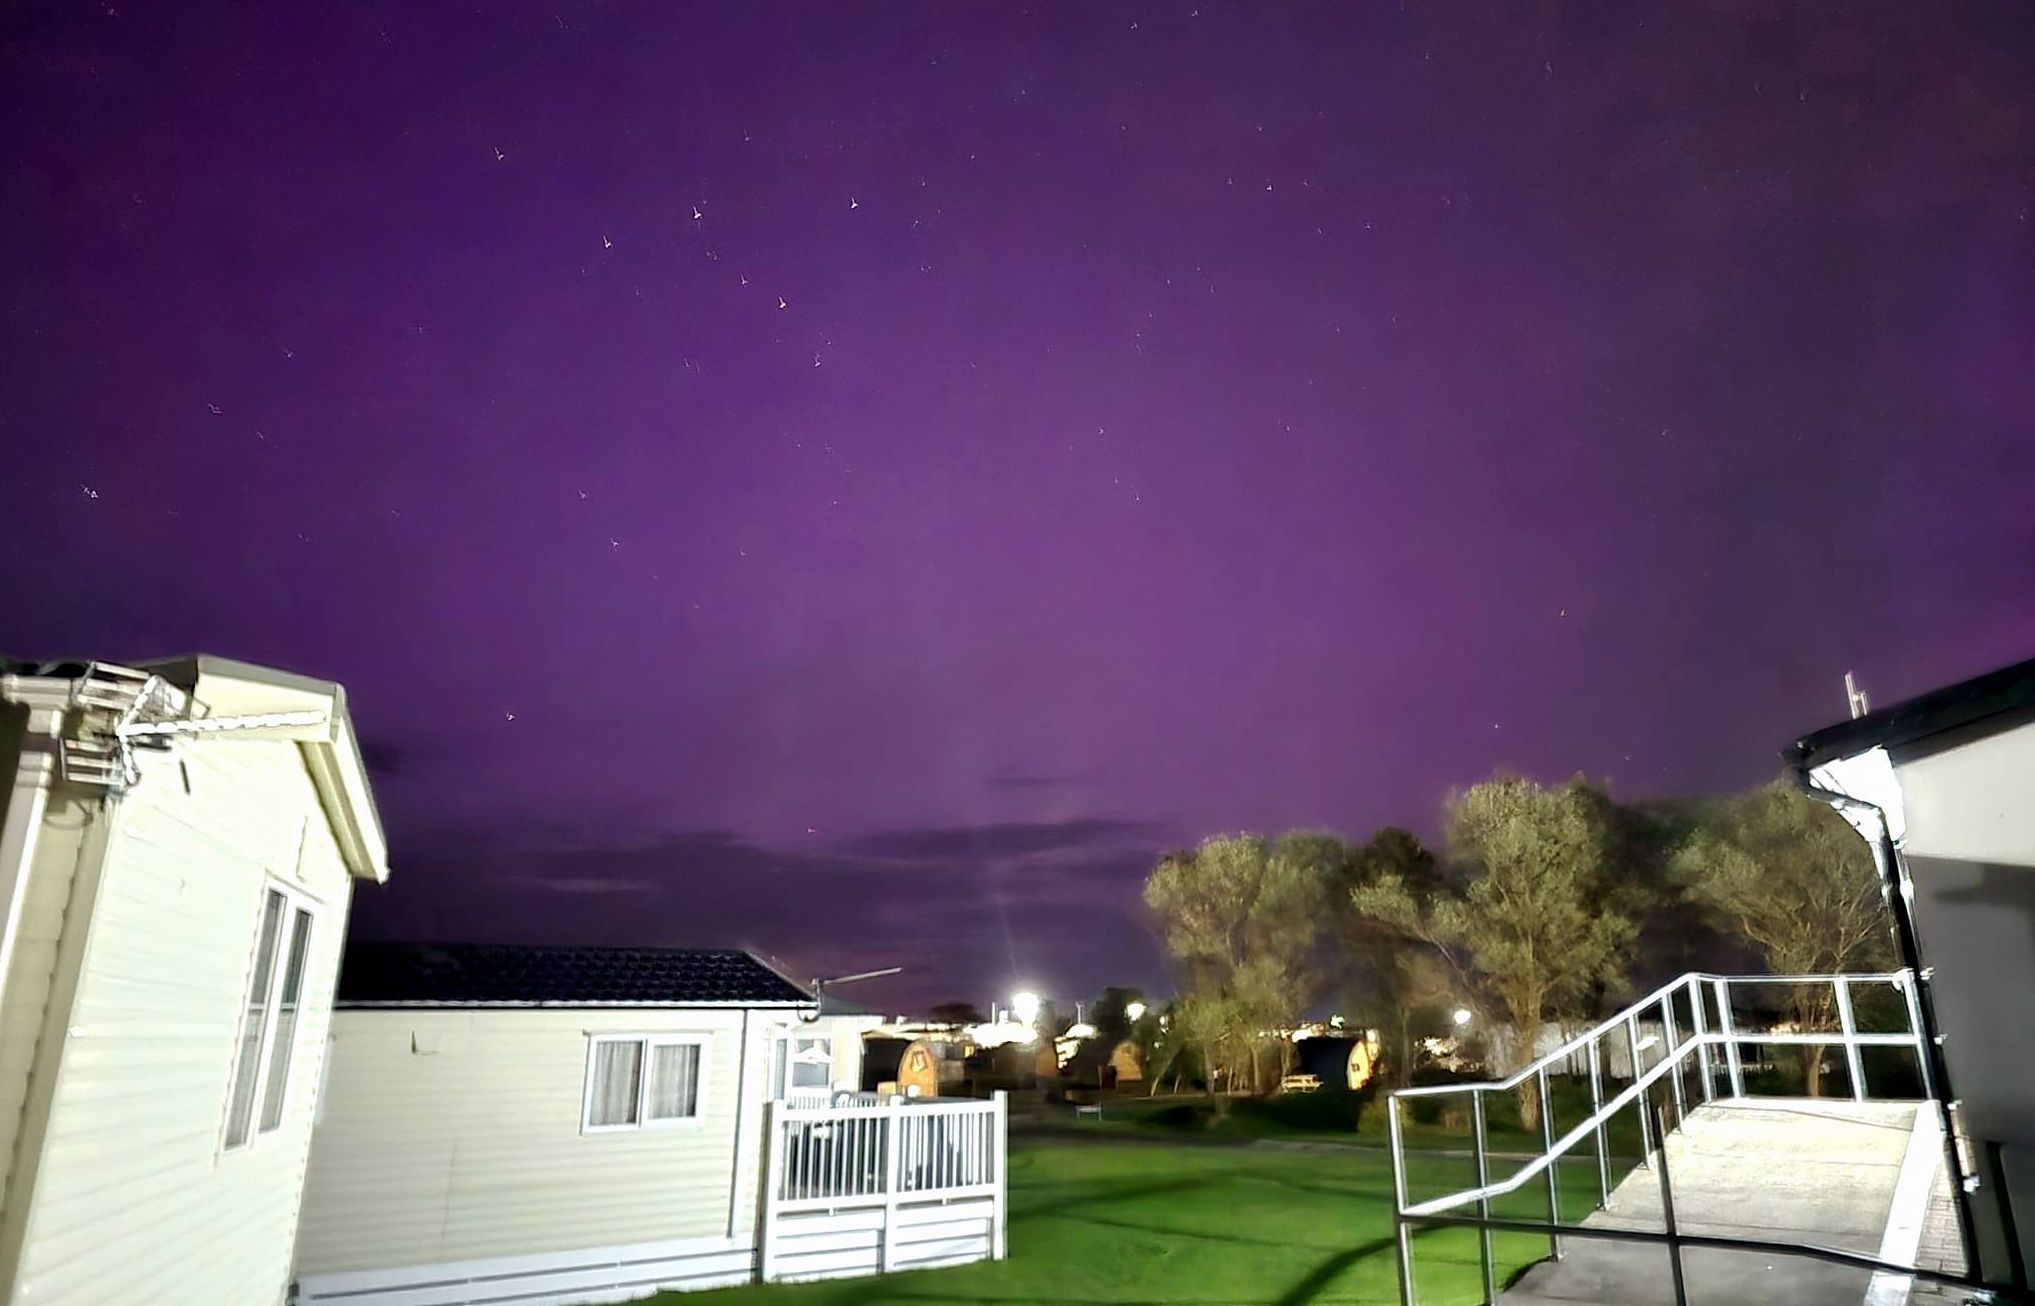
column 1854, row 1061
column 999, row 1155
column 1485, row 1260
column 1597, row 1114
column 1401, row 1235
column 1702, row 1035
column 1674, row 1054
column 1547, row 1149
column 1732, row 1065
column 893, row 1146
column 1668, row 1208
column 1645, row 1125
column 773, row 1190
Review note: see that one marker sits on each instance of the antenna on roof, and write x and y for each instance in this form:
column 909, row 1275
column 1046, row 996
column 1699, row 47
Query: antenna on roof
column 820, row 985
column 1856, row 696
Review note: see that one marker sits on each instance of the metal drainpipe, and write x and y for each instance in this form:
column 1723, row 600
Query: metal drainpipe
column 1935, row 1071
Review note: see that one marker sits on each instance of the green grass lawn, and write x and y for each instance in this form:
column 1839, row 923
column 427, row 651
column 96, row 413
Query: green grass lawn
column 1121, row 1221
column 1344, row 1117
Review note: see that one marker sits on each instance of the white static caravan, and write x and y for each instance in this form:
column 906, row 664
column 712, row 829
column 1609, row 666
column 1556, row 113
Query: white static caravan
column 1942, row 787
column 554, row 1124
column 177, row 854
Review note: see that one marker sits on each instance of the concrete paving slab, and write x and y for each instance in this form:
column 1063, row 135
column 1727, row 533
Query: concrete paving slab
column 1788, row 1170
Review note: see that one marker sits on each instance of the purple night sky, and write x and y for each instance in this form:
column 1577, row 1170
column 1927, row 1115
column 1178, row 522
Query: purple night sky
column 858, row 481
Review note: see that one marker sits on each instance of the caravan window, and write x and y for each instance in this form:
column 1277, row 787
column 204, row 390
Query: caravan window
column 268, row 1020
column 801, row 1061
column 634, row 1079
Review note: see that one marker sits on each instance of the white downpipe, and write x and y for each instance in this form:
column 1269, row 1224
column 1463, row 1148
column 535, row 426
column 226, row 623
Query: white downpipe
column 742, row 1101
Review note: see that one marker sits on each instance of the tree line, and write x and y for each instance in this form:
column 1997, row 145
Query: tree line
column 1545, row 903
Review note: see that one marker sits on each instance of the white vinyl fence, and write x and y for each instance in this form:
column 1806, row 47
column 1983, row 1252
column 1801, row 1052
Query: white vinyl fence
column 869, row 1189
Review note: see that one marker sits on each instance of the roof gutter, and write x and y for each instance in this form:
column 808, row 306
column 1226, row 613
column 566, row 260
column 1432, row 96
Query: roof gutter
column 27, row 799
column 549, row 1004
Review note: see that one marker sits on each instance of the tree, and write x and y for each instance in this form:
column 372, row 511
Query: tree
column 1786, row 872
column 1674, row 936
column 1110, row 1014
column 957, row 1013
column 1535, row 919
column 1242, row 920
column 1394, row 973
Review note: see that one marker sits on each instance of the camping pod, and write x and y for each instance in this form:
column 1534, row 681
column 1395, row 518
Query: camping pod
column 900, row 1065
column 1337, row 1061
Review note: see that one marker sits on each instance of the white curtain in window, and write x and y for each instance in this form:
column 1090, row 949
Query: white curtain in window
column 618, row 1070
column 674, row 1081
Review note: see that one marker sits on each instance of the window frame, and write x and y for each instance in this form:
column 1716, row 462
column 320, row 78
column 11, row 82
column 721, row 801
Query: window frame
column 294, row 902
column 784, row 1071
column 649, row 1043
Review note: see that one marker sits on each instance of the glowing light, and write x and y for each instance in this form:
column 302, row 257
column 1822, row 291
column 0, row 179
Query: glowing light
column 1461, row 1017
column 1135, row 1011
column 1024, row 1006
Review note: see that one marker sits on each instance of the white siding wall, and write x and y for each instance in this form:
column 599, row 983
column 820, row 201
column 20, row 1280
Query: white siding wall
column 454, row 1136
column 765, row 1029
column 134, row 1201
column 847, row 1032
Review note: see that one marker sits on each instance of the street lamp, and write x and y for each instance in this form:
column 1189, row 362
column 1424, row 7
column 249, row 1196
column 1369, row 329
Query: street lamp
column 1135, row 1011
column 1461, row 1017
column 1025, row 1006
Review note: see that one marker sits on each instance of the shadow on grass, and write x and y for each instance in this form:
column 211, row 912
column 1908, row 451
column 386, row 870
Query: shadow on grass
column 1321, row 1276
column 1308, row 1290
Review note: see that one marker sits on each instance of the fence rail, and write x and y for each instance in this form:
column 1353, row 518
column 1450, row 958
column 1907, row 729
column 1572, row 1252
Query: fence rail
column 1697, row 1028
column 845, row 1171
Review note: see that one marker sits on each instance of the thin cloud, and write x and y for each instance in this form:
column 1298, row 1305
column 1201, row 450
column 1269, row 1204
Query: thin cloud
column 1024, row 780
column 965, row 910
column 998, row 840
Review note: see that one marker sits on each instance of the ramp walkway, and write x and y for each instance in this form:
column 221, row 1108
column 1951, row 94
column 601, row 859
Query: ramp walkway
column 1804, row 1170
column 1838, row 1199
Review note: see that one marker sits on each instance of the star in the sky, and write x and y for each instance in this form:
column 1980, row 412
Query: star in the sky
column 499, row 156
column 607, row 243
column 781, row 303
column 90, row 493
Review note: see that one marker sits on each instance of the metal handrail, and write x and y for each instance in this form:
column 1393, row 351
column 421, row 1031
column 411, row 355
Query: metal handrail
column 1576, row 1044
column 1674, row 1058
column 1811, row 1251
